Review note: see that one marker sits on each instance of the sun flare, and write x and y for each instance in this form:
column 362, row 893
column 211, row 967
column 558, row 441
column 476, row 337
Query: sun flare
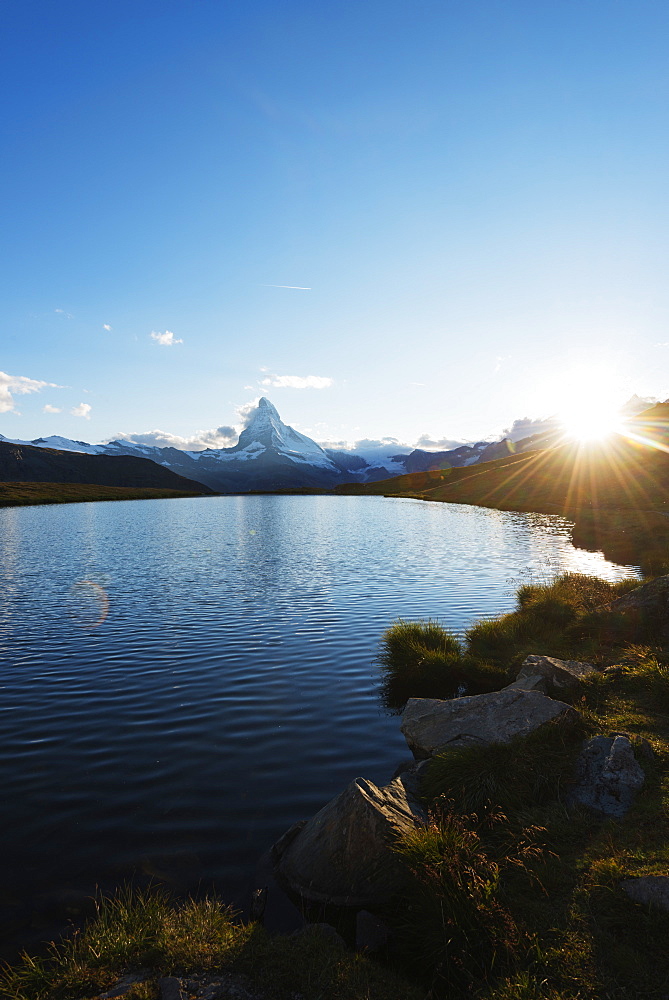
column 590, row 407
column 591, row 424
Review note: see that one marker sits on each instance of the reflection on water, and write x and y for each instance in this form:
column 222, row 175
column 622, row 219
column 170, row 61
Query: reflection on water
column 181, row 680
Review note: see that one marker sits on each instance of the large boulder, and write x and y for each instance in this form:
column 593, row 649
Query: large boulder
column 650, row 601
column 429, row 725
column 561, row 675
column 608, row 776
column 342, row 854
column 649, row 890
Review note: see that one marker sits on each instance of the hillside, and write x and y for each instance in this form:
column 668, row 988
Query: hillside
column 25, row 464
column 616, row 491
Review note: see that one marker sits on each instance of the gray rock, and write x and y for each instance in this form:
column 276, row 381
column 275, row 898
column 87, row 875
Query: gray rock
column 650, row 599
column 608, row 776
column 429, row 725
column 342, row 855
column 531, row 682
column 170, row 989
column 649, row 890
column 561, row 675
column 123, row 985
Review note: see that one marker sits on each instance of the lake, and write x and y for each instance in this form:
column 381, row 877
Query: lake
column 181, row 680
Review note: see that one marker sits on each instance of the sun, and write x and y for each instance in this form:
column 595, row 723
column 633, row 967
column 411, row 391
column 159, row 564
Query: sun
column 591, row 422
column 589, row 408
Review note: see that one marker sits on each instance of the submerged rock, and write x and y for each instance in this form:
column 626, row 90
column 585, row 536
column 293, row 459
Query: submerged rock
column 429, row 724
column 342, row 854
column 560, row 675
column 608, row 776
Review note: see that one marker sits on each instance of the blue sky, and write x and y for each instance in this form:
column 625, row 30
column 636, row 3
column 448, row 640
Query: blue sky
column 470, row 198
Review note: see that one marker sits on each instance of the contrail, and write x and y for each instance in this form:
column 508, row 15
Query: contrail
column 299, row 288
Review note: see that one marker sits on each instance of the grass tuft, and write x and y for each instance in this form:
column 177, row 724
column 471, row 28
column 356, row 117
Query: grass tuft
column 423, row 660
column 530, row 769
column 150, row 931
column 453, row 931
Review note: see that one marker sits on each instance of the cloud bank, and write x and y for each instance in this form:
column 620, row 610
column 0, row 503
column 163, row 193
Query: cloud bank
column 219, row 437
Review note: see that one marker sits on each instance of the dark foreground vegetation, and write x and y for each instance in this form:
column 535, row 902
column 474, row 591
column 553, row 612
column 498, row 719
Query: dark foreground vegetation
column 22, row 494
column 510, row 892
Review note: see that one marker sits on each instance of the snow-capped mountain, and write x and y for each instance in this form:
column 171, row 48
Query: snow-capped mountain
column 271, row 455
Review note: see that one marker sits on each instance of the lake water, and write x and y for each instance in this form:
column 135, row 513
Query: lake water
column 181, row 680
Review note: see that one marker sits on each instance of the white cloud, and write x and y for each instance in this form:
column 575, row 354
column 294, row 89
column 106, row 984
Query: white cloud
column 427, row 443
column 166, row 339
column 62, row 312
column 297, row 288
column 218, row 437
column 298, row 381
column 51, row 409
column 526, row 426
column 246, row 410
column 83, row 410
column 11, row 385
column 107, row 327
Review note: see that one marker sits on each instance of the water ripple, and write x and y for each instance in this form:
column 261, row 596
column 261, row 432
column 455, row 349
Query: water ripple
column 194, row 676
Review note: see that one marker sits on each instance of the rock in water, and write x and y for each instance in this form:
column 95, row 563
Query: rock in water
column 608, row 776
column 429, row 724
column 342, row 854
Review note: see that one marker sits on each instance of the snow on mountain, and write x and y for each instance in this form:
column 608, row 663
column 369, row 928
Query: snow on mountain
column 265, row 428
column 271, row 455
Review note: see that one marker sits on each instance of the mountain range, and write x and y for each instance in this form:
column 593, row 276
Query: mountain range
column 271, row 455
column 25, row 463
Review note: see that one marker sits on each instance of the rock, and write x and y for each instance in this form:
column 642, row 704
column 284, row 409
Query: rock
column 608, row 776
column 649, row 601
column 342, row 854
column 429, row 725
column 221, row 986
column 650, row 890
column 533, row 682
column 170, row 989
column 561, row 675
column 124, row 985
column 371, row 934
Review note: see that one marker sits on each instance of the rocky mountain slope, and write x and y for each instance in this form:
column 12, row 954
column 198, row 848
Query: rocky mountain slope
column 28, row 464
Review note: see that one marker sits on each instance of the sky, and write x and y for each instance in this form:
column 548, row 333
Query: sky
column 405, row 219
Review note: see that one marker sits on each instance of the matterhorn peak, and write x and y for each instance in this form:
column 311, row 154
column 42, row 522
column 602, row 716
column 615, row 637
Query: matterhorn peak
column 266, row 431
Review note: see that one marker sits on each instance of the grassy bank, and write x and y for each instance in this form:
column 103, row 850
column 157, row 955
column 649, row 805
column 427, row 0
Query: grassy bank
column 510, row 892
column 22, row 494
column 148, row 931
